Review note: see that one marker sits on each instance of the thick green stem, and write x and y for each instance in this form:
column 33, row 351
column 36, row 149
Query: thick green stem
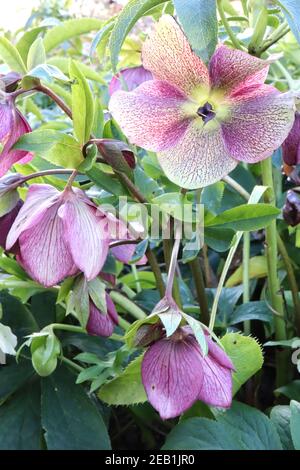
column 226, row 25
column 156, row 271
column 71, row 364
column 246, row 273
column 128, row 305
column 200, row 289
column 273, row 281
column 65, row 327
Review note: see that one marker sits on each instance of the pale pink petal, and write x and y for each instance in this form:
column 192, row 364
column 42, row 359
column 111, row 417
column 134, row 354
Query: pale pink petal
column 128, row 79
column 216, row 388
column 86, row 237
column 39, row 198
column 44, row 252
column 291, row 146
column 172, row 376
column 231, row 69
column 168, row 55
column 151, row 116
column 258, row 126
column 124, row 253
column 199, row 159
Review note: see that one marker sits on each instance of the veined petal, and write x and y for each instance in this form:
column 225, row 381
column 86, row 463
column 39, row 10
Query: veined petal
column 231, row 69
column 124, row 253
column 6, row 119
column 168, row 55
column 44, row 252
column 199, row 159
column 100, row 324
column 258, row 126
column 151, row 116
column 216, row 388
column 85, row 234
column 219, row 355
column 172, row 376
column 39, row 198
column 291, row 146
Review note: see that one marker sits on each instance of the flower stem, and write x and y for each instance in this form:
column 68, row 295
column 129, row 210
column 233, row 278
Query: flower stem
column 71, row 364
column 226, row 25
column 130, row 307
column 156, row 271
column 55, row 98
column 246, row 284
column 273, row 281
column 171, row 255
column 65, row 327
column 39, row 174
column 200, row 289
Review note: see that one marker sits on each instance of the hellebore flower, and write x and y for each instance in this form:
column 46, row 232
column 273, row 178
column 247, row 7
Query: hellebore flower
column 202, row 121
column 175, row 374
column 102, row 324
column 6, row 222
column 10, row 81
column 12, row 126
column 291, row 145
column 60, row 234
column 291, row 209
column 129, row 79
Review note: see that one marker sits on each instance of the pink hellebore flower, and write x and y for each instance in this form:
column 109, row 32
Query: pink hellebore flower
column 12, row 126
column 202, row 121
column 60, row 234
column 128, row 79
column 175, row 374
column 291, row 145
column 100, row 324
column 6, row 221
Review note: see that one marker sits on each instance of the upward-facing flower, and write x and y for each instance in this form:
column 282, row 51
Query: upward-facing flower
column 175, row 374
column 60, row 234
column 202, row 121
column 12, row 126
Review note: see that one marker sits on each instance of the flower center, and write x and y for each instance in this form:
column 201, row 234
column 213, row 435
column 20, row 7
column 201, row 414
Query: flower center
column 206, row 112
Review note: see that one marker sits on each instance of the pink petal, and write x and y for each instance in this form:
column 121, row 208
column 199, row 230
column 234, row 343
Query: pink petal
column 124, row 253
column 258, row 125
column 199, row 159
column 151, row 116
column 129, row 78
column 168, row 55
column 6, row 121
column 39, row 198
column 44, row 252
column 231, row 69
column 172, row 376
column 216, row 389
column 100, row 324
column 291, row 146
column 84, row 231
column 219, row 355
column 7, row 221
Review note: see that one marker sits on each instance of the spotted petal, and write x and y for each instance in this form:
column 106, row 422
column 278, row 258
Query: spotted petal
column 151, row 116
column 258, row 125
column 87, row 240
column 231, row 69
column 172, row 376
column 168, row 55
column 199, row 159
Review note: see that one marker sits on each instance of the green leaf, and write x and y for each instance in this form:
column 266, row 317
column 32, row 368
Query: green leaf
column 247, row 217
column 71, row 421
column 58, row 148
column 10, row 266
column 281, row 417
column 25, row 41
column 82, row 104
column 246, row 355
column 127, row 388
column 295, row 423
column 47, row 73
column 63, row 64
column 68, row 30
column 13, row 377
column 130, row 14
column 17, row 316
column 36, row 54
column 199, row 21
column 291, row 390
column 256, row 310
column 240, row 428
column 11, row 56
column 105, row 181
column 80, row 297
column 96, row 289
column 291, row 10
column 217, row 238
column 20, row 422
column 258, row 268
column 146, row 280
column 212, row 195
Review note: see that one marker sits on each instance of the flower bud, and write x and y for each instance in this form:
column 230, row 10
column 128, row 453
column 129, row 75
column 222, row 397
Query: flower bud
column 291, row 209
column 128, row 79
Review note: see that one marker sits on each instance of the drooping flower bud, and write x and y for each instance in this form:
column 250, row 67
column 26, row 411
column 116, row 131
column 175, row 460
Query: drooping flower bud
column 128, row 79
column 117, row 154
column 6, row 222
column 100, row 323
column 12, row 126
column 291, row 209
column 10, row 81
column 291, row 145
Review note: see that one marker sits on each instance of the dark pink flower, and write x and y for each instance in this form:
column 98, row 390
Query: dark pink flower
column 129, row 79
column 175, row 374
column 12, row 126
column 291, row 145
column 6, row 222
column 291, row 209
column 60, row 234
column 202, row 121
column 102, row 324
